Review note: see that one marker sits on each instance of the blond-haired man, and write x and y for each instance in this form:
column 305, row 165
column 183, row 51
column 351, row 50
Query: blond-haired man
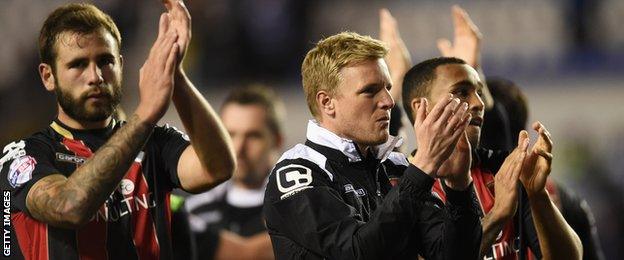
column 333, row 197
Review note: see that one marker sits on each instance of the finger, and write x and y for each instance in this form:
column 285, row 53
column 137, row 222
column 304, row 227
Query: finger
column 182, row 12
column 438, row 109
column 166, row 48
column 517, row 167
column 168, row 4
column 163, row 25
column 463, row 23
column 448, row 112
column 523, row 140
column 457, row 118
column 460, row 130
column 459, row 20
column 445, row 47
column 421, row 112
column 548, row 156
column 172, row 59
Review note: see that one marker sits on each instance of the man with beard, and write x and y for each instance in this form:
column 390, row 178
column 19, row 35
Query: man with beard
column 89, row 186
column 228, row 220
column 332, row 197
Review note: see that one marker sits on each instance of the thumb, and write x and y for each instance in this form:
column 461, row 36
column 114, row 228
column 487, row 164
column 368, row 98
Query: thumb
column 445, row 47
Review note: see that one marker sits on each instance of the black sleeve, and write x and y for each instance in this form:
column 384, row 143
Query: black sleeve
column 312, row 214
column 23, row 163
column 577, row 213
column 528, row 234
column 463, row 206
column 171, row 142
column 489, row 159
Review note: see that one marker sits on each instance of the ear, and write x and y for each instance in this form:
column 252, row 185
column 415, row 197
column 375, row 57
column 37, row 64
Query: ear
column 414, row 105
column 47, row 77
column 325, row 104
column 121, row 62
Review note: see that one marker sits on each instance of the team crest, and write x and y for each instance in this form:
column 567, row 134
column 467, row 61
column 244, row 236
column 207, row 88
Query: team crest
column 21, row 170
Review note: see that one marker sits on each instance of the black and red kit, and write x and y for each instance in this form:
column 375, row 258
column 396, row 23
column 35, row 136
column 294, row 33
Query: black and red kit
column 133, row 223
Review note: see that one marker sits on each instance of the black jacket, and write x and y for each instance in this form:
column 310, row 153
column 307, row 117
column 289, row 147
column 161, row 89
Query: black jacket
column 325, row 201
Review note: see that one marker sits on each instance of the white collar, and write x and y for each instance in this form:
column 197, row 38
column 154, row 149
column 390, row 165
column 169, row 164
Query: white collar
column 319, row 135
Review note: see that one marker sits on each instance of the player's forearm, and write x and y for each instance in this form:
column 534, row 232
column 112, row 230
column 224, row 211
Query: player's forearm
column 209, row 137
column 556, row 238
column 492, row 224
column 73, row 201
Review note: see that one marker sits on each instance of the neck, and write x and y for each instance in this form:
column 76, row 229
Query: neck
column 362, row 147
column 82, row 125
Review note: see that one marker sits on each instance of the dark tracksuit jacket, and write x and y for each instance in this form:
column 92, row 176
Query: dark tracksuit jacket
column 326, row 201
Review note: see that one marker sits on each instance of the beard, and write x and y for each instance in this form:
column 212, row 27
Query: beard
column 77, row 109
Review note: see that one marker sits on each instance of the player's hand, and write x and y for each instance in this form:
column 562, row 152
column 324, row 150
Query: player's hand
column 156, row 75
column 180, row 21
column 456, row 169
column 537, row 165
column 467, row 39
column 398, row 57
column 438, row 131
column 506, row 180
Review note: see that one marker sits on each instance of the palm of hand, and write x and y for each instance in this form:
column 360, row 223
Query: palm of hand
column 459, row 162
column 536, row 168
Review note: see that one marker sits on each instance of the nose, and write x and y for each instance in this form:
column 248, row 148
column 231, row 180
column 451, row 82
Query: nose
column 476, row 103
column 239, row 144
column 95, row 75
column 386, row 102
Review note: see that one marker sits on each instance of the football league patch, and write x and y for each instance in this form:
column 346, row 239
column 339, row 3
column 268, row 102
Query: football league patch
column 21, row 170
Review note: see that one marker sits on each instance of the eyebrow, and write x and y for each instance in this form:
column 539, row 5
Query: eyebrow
column 107, row 55
column 465, row 83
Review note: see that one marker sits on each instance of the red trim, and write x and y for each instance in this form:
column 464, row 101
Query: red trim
column 91, row 239
column 32, row 236
column 145, row 237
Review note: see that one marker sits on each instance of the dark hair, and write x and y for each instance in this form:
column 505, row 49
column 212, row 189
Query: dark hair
column 81, row 18
column 417, row 81
column 263, row 96
column 513, row 100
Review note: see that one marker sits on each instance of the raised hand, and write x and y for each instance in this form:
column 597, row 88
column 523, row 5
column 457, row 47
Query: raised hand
column 156, row 75
column 506, row 180
column 180, row 21
column 438, row 131
column 456, row 169
column 467, row 40
column 537, row 165
column 398, row 57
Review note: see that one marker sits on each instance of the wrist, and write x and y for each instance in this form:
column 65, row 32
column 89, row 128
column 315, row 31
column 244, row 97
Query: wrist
column 144, row 116
column 499, row 213
column 425, row 165
column 539, row 194
column 459, row 183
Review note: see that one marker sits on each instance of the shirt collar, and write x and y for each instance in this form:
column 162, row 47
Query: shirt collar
column 319, row 135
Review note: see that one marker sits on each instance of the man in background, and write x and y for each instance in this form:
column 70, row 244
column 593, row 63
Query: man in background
column 228, row 220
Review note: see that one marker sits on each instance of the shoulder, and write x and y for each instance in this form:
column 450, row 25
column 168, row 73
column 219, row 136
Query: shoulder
column 168, row 130
column 196, row 201
column 298, row 169
column 20, row 158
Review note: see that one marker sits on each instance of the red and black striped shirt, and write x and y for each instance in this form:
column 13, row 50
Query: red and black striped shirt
column 134, row 222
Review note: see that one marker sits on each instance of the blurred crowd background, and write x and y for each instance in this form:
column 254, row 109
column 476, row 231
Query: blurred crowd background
column 566, row 55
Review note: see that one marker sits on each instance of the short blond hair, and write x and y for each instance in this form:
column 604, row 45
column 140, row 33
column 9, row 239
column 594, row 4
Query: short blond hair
column 321, row 67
